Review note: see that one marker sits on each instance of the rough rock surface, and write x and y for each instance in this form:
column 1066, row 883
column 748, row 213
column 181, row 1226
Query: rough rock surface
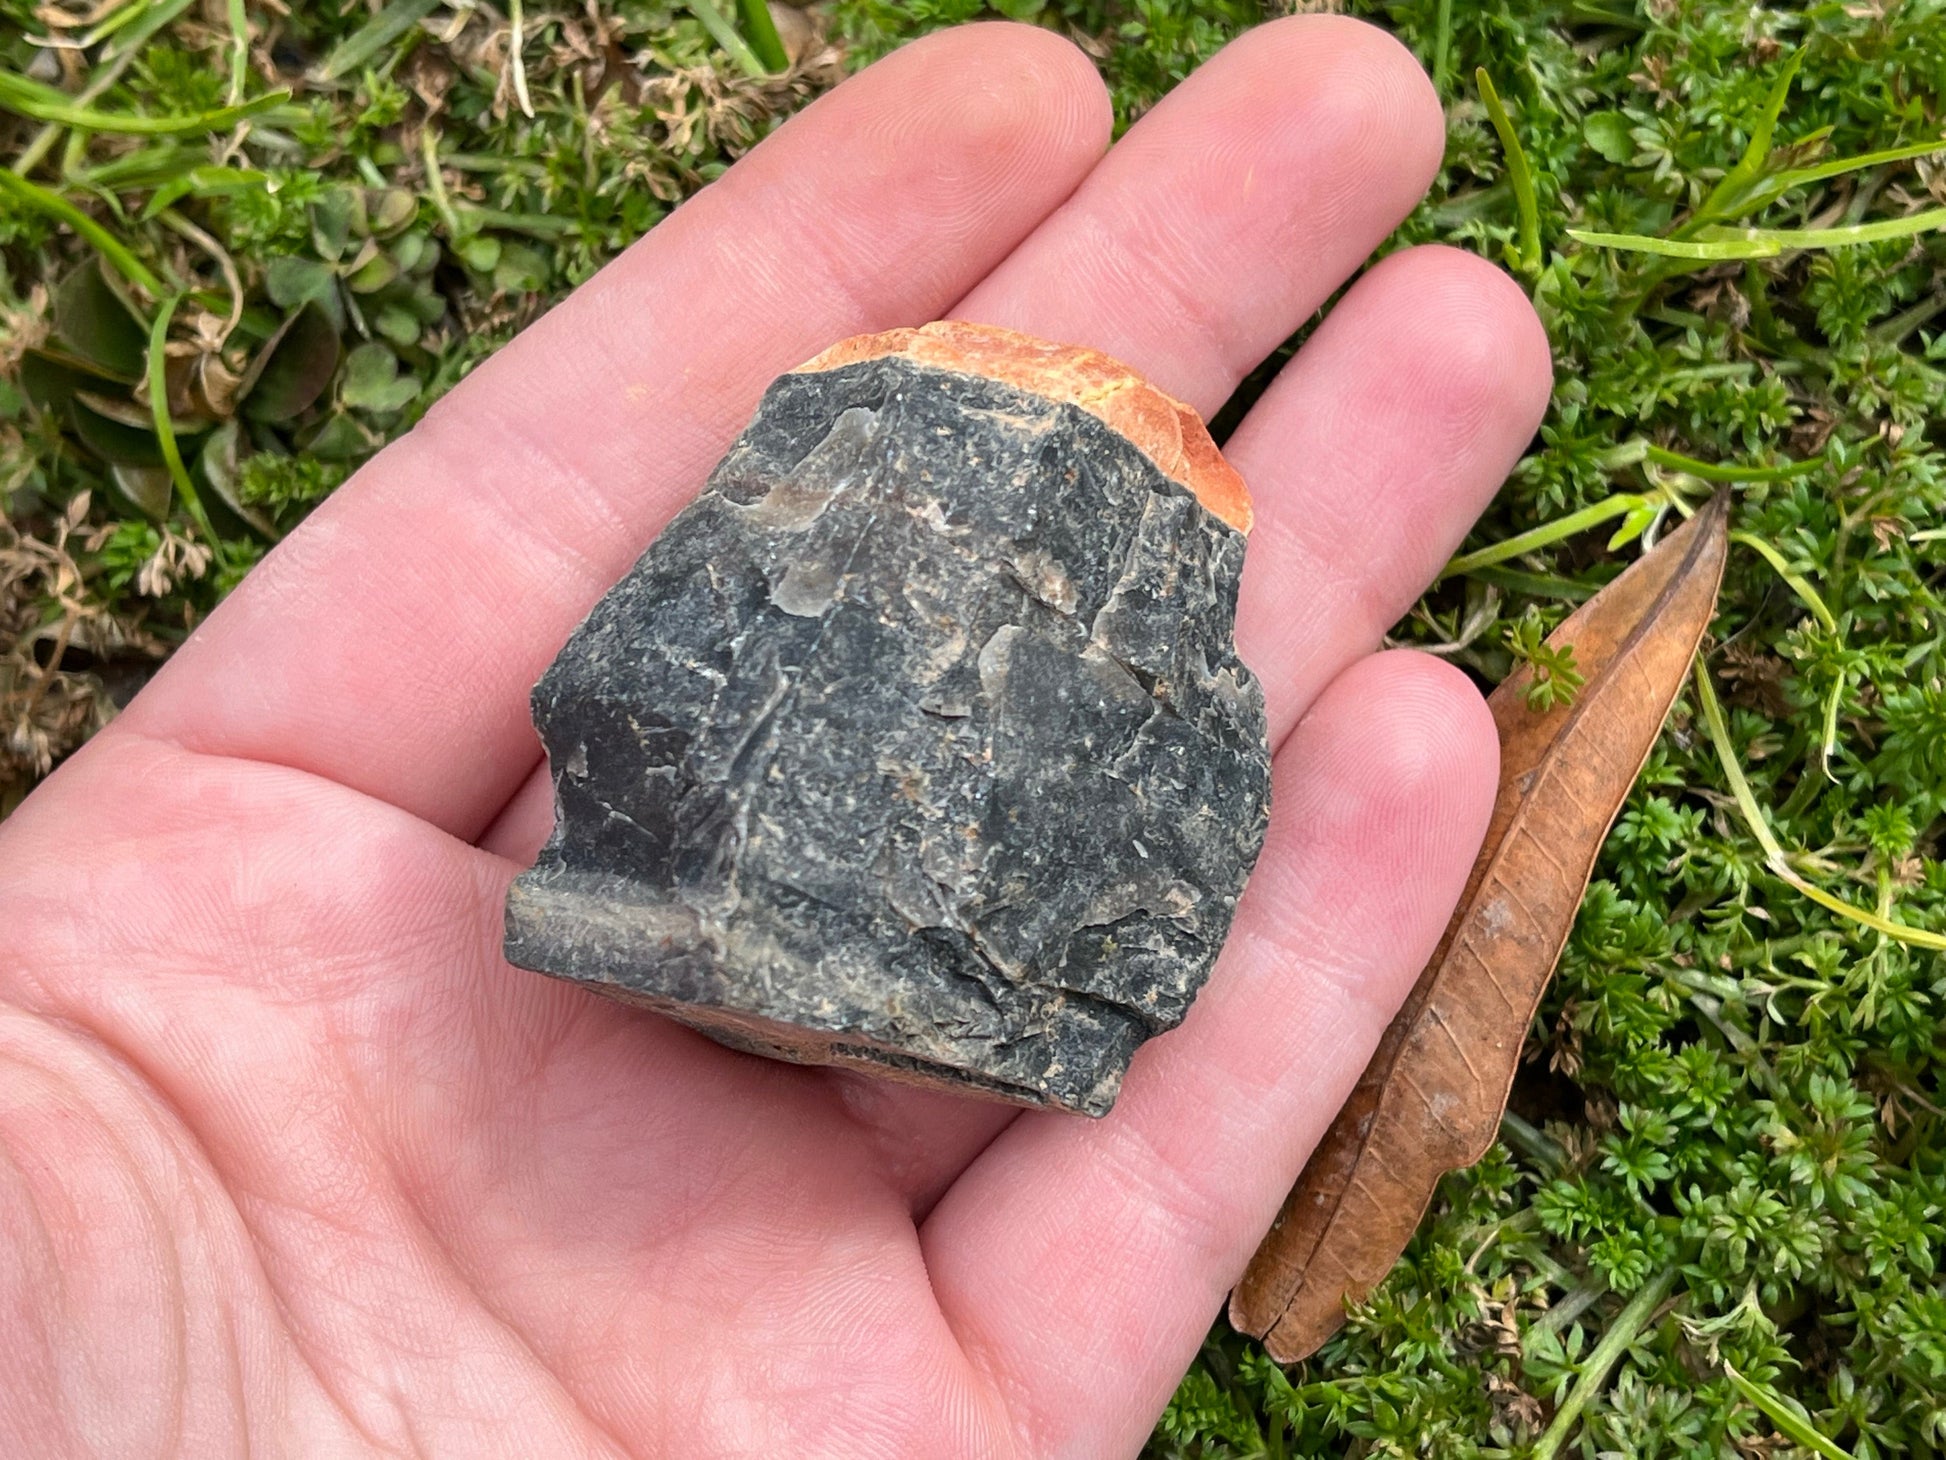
column 918, row 741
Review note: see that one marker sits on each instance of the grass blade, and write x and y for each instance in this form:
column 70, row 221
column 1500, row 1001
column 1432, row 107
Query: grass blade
column 725, row 35
column 1750, row 166
column 1442, row 48
column 111, row 248
column 1714, row 244
column 764, row 39
column 516, row 46
column 1619, row 505
column 1519, row 174
column 239, row 50
column 165, row 429
column 1774, row 855
column 374, row 36
column 1772, row 188
column 1812, row 599
column 116, row 18
column 1593, row 1378
column 1724, row 471
column 1538, row 585
column 1791, row 1423
column 44, row 104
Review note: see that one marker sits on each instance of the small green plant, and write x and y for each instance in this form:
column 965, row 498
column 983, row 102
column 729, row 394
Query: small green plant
column 1555, row 679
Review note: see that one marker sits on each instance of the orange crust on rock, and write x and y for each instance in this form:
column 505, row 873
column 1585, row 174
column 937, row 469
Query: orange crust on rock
column 1168, row 432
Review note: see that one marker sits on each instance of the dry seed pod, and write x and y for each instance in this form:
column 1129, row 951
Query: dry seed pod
column 918, row 742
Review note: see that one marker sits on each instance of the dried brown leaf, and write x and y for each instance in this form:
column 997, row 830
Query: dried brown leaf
column 1431, row 1099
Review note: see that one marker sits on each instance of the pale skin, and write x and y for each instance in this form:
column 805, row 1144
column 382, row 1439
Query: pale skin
column 293, row 1163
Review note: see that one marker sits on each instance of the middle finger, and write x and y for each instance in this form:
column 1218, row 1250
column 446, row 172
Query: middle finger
column 1214, row 229
column 1231, row 211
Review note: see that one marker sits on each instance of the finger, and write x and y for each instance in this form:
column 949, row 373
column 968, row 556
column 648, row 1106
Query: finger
column 1231, row 211
column 1218, row 225
column 1081, row 1262
column 391, row 642
column 1371, row 455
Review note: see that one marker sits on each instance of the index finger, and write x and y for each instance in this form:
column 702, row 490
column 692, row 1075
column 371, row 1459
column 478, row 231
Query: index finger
column 390, row 643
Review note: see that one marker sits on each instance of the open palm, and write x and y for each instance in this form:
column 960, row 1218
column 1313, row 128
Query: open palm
column 292, row 1162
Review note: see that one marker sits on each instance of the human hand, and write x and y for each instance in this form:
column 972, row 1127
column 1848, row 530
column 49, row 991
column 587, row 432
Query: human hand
column 295, row 1163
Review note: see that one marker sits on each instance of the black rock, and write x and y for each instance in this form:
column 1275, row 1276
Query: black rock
column 918, row 742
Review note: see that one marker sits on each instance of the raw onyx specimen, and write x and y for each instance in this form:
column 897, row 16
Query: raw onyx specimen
column 918, row 742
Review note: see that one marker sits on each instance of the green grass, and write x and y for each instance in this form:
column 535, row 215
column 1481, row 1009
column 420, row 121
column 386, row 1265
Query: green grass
column 1712, row 1227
